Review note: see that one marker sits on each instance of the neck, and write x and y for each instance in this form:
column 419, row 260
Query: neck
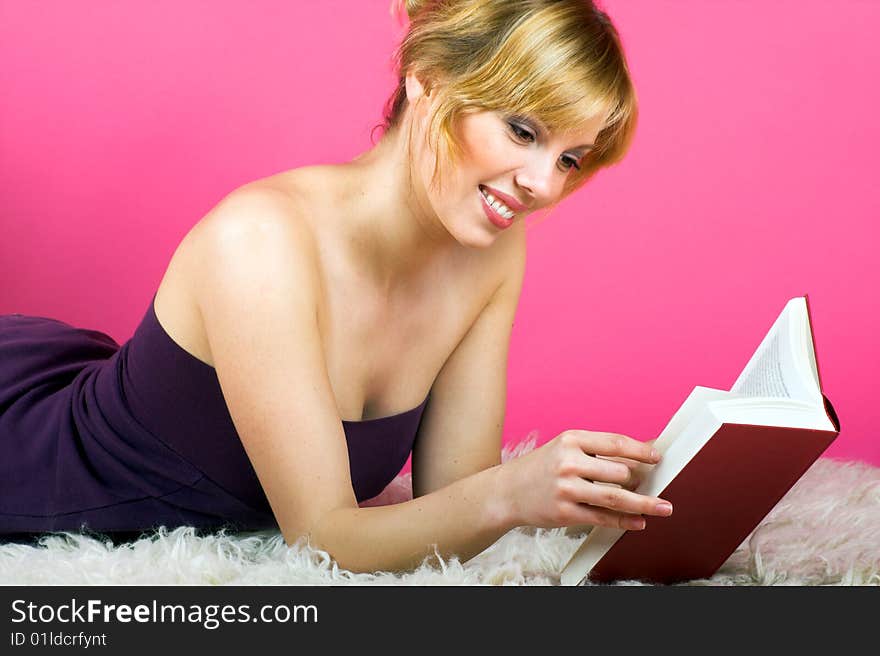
column 393, row 234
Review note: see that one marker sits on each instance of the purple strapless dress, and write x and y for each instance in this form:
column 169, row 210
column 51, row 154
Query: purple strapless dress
column 107, row 438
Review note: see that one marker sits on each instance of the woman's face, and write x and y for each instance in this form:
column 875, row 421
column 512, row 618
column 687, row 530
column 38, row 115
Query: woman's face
column 511, row 160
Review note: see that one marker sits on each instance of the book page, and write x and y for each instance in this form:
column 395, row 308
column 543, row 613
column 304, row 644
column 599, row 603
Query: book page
column 780, row 364
column 810, row 370
column 788, row 413
column 693, row 405
column 764, row 375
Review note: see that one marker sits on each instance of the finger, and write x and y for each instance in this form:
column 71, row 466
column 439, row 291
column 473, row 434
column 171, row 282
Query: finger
column 629, row 485
column 619, row 499
column 629, row 462
column 615, row 444
column 637, row 470
column 633, row 482
column 584, row 514
column 600, row 469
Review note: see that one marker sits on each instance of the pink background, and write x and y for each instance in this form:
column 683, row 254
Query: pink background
column 752, row 180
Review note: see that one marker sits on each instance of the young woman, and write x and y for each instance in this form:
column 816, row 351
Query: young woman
column 318, row 325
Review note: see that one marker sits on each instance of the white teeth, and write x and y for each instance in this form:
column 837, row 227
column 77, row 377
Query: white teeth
column 497, row 205
column 502, row 209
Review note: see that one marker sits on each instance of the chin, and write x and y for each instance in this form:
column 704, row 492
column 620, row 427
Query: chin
column 475, row 232
column 479, row 235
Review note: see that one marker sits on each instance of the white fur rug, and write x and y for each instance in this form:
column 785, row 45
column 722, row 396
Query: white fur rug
column 825, row 531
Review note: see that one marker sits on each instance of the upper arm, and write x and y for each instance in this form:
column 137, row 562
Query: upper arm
column 462, row 427
column 258, row 299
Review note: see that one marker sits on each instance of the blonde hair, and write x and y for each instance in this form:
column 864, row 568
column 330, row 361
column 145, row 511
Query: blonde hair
column 560, row 61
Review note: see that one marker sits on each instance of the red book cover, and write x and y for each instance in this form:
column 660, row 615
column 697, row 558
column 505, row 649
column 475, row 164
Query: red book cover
column 732, row 483
column 730, row 457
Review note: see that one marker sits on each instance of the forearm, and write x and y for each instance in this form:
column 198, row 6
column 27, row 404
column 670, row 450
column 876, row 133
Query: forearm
column 463, row 519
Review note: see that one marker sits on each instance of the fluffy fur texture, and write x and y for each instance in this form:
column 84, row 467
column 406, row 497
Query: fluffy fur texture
column 825, row 531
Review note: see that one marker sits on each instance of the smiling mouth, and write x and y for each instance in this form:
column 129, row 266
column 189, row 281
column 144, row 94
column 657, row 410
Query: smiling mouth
column 502, row 209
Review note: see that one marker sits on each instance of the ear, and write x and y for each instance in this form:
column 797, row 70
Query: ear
column 414, row 88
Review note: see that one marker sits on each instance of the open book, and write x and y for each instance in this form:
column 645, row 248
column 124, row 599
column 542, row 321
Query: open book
column 728, row 458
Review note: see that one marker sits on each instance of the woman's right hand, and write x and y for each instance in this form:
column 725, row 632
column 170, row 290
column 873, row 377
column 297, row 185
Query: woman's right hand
column 559, row 484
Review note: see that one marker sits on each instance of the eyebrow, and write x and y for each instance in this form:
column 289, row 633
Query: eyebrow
column 538, row 124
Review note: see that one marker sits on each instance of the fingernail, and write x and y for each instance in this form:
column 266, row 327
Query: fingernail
column 655, row 454
column 635, row 523
column 664, row 508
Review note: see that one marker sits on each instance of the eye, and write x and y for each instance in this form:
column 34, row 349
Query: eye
column 571, row 163
column 525, row 135
column 521, row 133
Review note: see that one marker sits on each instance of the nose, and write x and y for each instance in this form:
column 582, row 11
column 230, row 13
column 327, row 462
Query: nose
column 540, row 178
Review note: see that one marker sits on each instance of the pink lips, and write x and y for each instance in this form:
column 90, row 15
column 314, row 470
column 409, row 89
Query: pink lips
column 511, row 202
column 493, row 216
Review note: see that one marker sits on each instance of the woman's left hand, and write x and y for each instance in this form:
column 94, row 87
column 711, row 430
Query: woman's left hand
column 638, row 470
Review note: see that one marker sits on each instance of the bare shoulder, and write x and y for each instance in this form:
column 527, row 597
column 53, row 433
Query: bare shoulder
column 266, row 205
column 255, row 206
column 262, row 211
column 253, row 219
column 281, row 202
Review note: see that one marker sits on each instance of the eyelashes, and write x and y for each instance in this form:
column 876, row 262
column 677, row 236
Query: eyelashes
column 521, row 132
column 525, row 135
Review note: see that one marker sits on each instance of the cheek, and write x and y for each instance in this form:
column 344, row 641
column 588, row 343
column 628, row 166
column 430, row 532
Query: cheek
column 488, row 151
